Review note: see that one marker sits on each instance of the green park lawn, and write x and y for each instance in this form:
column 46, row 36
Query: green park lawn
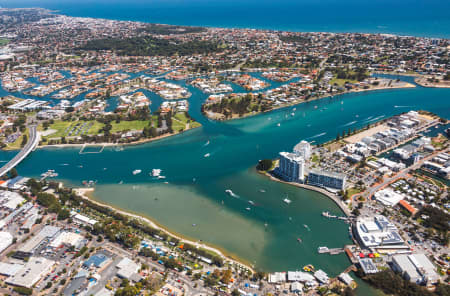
column 128, row 125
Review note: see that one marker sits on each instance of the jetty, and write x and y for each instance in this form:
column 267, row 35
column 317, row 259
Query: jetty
column 333, row 251
column 32, row 143
column 328, row 215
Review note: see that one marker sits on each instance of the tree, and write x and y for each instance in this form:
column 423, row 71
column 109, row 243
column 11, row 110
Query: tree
column 63, row 214
column 264, row 165
column 13, row 173
column 24, row 140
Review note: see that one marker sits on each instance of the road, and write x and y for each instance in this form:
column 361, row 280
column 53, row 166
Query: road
column 33, row 141
column 368, row 193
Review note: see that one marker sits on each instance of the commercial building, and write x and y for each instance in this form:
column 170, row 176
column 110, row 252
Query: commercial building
column 82, row 220
column 9, row 269
column 67, row 238
column 128, row 269
column 368, row 266
column 321, row 276
column 98, row 260
column 277, row 277
column 6, row 240
column 416, row 268
column 327, row 179
column 47, row 233
column 378, row 232
column 388, row 197
column 300, row 276
column 404, row 204
column 10, row 200
column 346, row 278
column 33, row 271
column 292, row 167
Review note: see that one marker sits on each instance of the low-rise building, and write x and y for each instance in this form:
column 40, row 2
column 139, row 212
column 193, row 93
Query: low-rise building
column 388, row 197
column 416, row 268
column 128, row 269
column 327, row 179
column 378, row 232
column 31, row 272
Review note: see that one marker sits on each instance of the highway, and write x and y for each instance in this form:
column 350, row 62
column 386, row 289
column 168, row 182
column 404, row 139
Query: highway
column 33, row 141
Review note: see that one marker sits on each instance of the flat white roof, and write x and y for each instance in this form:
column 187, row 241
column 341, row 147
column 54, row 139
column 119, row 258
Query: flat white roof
column 32, row 272
column 5, row 240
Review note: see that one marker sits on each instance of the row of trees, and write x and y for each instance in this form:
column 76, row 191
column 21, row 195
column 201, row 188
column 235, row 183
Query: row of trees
column 228, row 107
column 150, row 46
column 393, row 284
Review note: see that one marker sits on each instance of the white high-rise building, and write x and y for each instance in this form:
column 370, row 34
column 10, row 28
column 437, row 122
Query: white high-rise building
column 303, row 149
column 292, row 167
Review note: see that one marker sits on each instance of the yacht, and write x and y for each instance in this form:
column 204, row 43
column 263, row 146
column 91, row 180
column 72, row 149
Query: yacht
column 156, row 172
column 207, row 155
column 322, row 250
column 286, row 200
column 135, row 172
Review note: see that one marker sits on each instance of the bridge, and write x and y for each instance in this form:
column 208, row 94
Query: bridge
column 32, row 143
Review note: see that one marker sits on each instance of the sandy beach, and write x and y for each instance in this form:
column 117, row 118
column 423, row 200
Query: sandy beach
column 87, row 193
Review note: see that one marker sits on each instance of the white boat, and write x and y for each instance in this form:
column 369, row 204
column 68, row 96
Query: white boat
column 161, row 177
column 251, row 202
column 322, row 250
column 292, row 114
column 156, row 172
column 262, row 190
column 248, row 209
column 286, row 200
column 207, row 155
column 278, row 124
column 135, row 172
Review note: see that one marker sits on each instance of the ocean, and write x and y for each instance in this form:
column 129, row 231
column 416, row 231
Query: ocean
column 428, row 18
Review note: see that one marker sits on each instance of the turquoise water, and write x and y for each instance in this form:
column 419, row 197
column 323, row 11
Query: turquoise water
column 195, row 193
column 428, row 18
column 195, row 189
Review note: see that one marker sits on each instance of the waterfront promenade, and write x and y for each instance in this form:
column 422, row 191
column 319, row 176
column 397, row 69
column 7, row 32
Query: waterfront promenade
column 32, row 143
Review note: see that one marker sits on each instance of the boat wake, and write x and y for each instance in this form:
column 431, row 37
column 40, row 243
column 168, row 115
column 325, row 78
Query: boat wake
column 397, row 106
column 231, row 193
column 349, row 123
column 318, row 135
column 377, row 118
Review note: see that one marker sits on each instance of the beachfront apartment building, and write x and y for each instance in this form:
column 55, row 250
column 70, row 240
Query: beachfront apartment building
column 292, row 167
column 327, row 179
column 303, row 149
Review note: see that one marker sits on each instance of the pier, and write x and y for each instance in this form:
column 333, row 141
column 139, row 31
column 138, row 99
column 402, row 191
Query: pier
column 91, row 152
column 32, row 143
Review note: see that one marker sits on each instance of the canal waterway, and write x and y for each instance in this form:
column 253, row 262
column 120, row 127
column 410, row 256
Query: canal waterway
column 254, row 223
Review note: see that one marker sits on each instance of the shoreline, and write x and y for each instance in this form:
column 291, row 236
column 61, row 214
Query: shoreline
column 88, row 194
column 407, row 85
column 109, row 144
column 245, row 27
column 322, row 191
column 423, row 83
